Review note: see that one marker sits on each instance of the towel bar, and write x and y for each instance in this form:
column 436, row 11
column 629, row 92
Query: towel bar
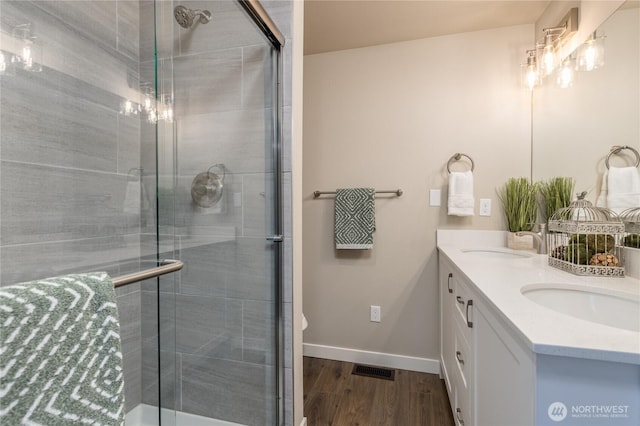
column 168, row 266
column 398, row 192
column 617, row 149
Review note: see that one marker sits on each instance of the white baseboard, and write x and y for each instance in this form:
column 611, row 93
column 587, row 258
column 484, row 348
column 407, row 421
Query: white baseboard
column 402, row 362
column 303, row 422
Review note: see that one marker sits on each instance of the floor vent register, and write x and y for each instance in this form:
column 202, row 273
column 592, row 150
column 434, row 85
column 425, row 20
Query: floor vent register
column 377, row 372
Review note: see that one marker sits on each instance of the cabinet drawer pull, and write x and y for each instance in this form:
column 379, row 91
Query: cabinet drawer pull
column 459, row 416
column 459, row 357
column 469, row 304
column 449, row 282
column 460, row 300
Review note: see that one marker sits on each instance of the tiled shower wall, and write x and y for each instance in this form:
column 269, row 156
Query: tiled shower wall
column 67, row 153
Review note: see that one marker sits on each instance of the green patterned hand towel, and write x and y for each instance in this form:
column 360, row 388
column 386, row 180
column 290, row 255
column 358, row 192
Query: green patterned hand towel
column 60, row 356
column 355, row 218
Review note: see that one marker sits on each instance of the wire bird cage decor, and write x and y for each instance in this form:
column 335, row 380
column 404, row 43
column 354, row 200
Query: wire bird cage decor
column 631, row 220
column 586, row 240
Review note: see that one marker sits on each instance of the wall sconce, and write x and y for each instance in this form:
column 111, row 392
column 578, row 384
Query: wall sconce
column 530, row 72
column 591, row 54
column 30, row 55
column 566, row 75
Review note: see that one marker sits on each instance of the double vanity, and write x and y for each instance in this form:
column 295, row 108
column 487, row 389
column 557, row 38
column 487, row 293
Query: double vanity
column 523, row 343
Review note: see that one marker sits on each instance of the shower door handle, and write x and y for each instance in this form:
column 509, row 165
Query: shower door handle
column 275, row 238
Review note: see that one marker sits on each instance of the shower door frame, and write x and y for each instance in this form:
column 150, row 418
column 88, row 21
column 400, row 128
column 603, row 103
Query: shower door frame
column 264, row 22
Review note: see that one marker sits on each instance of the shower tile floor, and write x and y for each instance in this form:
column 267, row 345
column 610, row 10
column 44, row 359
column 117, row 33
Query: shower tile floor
column 147, row 415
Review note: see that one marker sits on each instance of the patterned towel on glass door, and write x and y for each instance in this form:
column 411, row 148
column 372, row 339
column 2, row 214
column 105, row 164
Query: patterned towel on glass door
column 60, row 355
column 355, row 218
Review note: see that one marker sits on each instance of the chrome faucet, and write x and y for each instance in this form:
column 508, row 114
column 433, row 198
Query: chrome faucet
column 540, row 236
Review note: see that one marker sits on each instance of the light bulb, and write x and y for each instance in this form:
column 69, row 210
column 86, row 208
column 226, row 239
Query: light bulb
column 531, row 78
column 152, row 117
column 548, row 56
column 168, row 114
column 530, row 73
column 566, row 74
column 26, row 56
column 147, row 103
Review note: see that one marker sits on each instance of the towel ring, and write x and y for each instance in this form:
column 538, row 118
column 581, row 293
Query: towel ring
column 456, row 157
column 617, row 149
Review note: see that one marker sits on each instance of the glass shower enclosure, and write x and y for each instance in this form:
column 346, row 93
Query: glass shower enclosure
column 218, row 211
column 137, row 131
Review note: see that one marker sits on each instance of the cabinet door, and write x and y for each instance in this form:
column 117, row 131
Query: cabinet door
column 447, row 351
column 504, row 377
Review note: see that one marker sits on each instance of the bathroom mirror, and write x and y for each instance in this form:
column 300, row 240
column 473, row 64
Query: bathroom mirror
column 573, row 129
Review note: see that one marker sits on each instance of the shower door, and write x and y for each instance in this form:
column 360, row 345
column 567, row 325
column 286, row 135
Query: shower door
column 217, row 353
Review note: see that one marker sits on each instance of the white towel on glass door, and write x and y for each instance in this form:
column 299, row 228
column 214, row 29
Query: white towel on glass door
column 460, row 200
column 623, row 188
column 132, row 197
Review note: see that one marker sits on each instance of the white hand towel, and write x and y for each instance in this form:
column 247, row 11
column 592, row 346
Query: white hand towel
column 623, row 188
column 604, row 190
column 132, row 197
column 461, row 201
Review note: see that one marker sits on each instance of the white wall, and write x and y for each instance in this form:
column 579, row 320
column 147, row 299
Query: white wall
column 391, row 116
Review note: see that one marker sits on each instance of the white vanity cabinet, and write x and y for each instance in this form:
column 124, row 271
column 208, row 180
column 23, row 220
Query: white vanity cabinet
column 489, row 374
column 457, row 358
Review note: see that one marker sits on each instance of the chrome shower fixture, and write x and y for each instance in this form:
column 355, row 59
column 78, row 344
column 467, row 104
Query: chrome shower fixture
column 186, row 17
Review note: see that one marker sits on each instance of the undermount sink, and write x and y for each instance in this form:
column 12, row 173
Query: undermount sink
column 497, row 253
column 614, row 310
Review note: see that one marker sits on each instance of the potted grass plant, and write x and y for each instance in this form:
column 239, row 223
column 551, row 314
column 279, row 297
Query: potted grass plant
column 555, row 194
column 519, row 201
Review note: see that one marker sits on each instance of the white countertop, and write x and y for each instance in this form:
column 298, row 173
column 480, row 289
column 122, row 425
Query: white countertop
column 544, row 330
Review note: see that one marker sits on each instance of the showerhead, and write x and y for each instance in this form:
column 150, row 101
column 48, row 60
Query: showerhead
column 186, row 17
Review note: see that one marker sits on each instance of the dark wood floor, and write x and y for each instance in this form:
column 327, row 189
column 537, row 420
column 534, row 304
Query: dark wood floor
column 333, row 396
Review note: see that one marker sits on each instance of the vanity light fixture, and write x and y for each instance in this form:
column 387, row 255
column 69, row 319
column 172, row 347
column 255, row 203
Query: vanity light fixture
column 591, row 54
column 530, row 73
column 30, row 56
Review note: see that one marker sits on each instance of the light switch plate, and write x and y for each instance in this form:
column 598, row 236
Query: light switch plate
column 434, row 197
column 375, row 313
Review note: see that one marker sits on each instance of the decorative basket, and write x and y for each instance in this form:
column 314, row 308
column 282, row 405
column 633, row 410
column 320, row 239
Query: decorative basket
column 586, row 240
column 631, row 220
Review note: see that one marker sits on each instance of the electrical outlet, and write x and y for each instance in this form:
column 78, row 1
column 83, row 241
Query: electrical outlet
column 375, row 313
column 485, row 206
